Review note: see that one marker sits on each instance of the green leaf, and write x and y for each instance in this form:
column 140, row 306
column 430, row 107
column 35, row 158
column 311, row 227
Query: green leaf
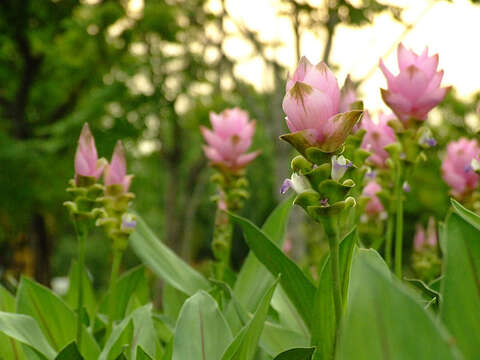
column 296, row 354
column 125, row 287
column 120, row 338
column 297, row 286
column 276, row 339
column 467, row 215
column 69, row 352
column 142, row 355
column 460, row 287
column 172, row 301
column 164, row 262
column 254, row 279
column 245, row 343
column 71, row 297
column 324, row 326
column 384, row 321
column 9, row 347
column 26, row 330
column 144, row 334
column 57, row 321
column 202, row 332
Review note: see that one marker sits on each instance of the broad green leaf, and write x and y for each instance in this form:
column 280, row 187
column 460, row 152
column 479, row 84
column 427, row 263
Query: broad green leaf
column 142, row 355
column 245, row 343
column 144, row 334
column 202, row 332
column 57, row 321
column 467, row 215
column 69, row 352
column 460, row 287
column 120, row 338
column 276, row 338
column 254, row 279
column 125, row 287
column 71, row 297
column 288, row 315
column 296, row 354
column 297, row 286
column 164, row 262
column 384, row 321
column 324, row 325
column 9, row 347
column 25, row 329
column 173, row 300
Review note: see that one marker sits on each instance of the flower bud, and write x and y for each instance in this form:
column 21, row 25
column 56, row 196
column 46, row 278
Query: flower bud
column 116, row 171
column 416, row 89
column 86, row 158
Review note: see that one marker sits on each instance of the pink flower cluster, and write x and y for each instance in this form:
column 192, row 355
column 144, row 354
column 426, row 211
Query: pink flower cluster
column 313, row 103
column 374, row 205
column 456, row 166
column 88, row 164
column 416, row 89
column 377, row 136
column 426, row 237
column 229, row 139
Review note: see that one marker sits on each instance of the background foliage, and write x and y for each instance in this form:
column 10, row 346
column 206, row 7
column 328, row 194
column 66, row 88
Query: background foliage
column 149, row 78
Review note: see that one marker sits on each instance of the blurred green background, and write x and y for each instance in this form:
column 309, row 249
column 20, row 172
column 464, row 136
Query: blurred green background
column 148, row 72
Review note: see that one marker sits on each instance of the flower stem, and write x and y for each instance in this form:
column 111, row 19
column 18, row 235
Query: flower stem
column 333, row 233
column 117, row 259
column 399, row 220
column 81, row 232
column 222, row 242
column 388, row 239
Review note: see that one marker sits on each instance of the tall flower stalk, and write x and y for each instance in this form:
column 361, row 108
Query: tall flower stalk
column 115, row 218
column 227, row 143
column 83, row 207
column 411, row 95
column 321, row 173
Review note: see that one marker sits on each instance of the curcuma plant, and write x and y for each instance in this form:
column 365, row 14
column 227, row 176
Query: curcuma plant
column 350, row 173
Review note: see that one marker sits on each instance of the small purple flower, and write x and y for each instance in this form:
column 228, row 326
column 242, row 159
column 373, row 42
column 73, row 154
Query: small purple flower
column 324, row 202
column 431, row 142
column 128, row 221
column 287, row 184
column 371, row 174
column 406, row 187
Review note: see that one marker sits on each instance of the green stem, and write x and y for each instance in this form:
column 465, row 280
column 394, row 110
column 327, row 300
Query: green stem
column 81, row 233
column 333, row 233
column 117, row 259
column 222, row 242
column 399, row 220
column 388, row 239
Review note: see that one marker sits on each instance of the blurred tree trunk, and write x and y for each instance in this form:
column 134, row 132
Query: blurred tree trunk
column 42, row 245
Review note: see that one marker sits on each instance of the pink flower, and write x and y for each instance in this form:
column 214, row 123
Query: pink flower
column 231, row 137
column 312, row 105
column 424, row 238
column 456, row 166
column 116, row 171
column 86, row 158
column 419, row 238
column 416, row 89
column 374, row 205
column 432, row 232
column 377, row 137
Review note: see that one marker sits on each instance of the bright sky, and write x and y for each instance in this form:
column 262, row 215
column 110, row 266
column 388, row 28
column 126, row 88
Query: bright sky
column 449, row 29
